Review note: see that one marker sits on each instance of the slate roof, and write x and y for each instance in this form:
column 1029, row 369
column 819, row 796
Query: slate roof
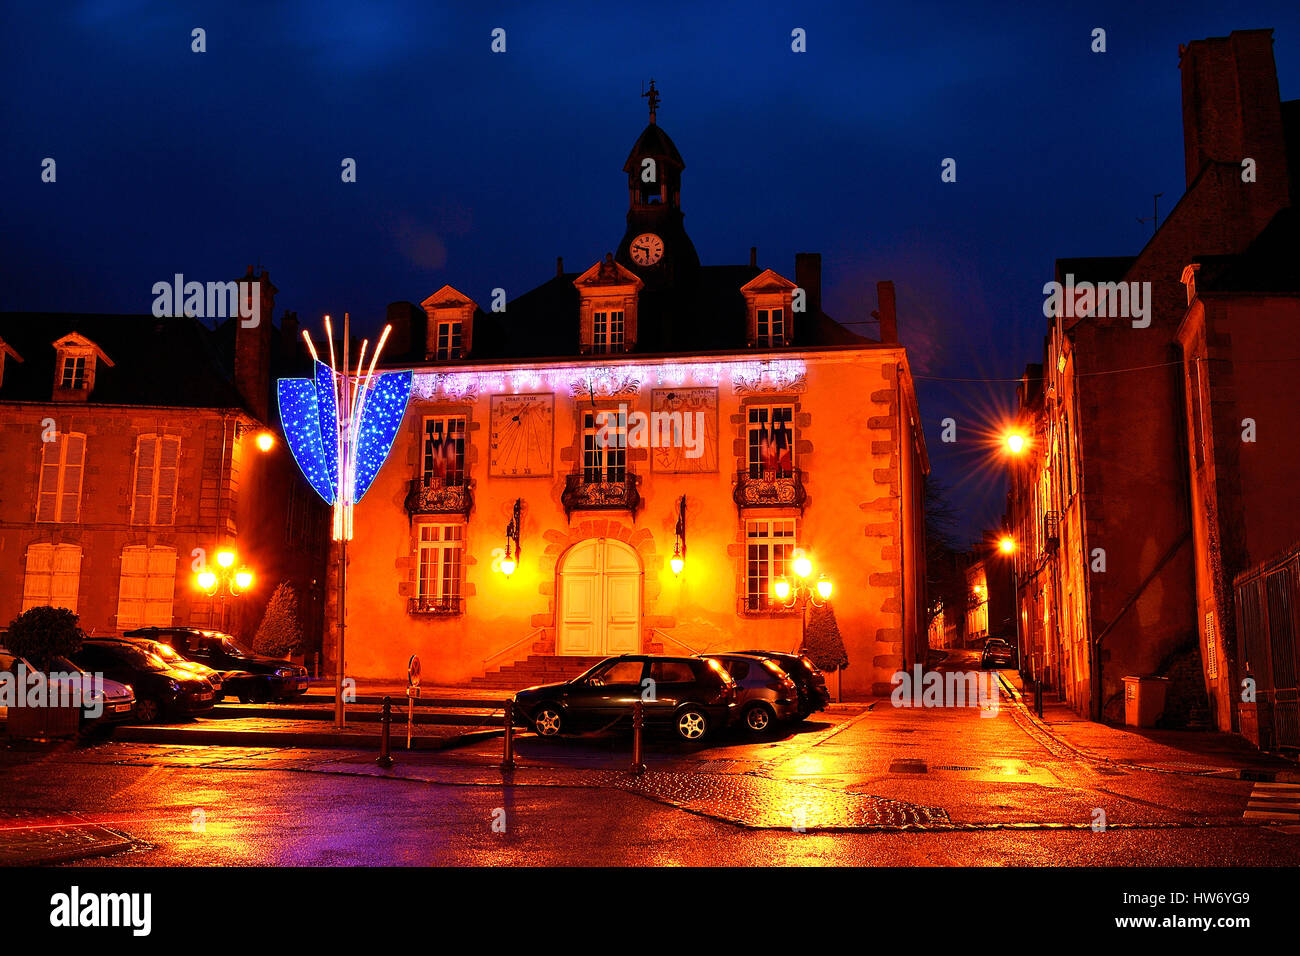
column 1270, row 264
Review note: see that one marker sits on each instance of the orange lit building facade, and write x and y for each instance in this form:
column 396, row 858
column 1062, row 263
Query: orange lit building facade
column 791, row 433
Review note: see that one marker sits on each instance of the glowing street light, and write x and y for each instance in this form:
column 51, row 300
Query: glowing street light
column 1015, row 442
column 225, row 558
column 782, row 588
column 1006, row 544
column 265, row 441
column 824, row 587
column 802, row 564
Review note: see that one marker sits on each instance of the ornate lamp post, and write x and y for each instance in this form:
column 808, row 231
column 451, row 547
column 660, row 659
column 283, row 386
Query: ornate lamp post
column 800, row 592
column 225, row 580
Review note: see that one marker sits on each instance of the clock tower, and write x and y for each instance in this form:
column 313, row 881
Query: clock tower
column 655, row 245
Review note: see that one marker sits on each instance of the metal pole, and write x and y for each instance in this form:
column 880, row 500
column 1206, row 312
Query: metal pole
column 338, row 664
column 386, row 720
column 638, row 722
column 508, row 757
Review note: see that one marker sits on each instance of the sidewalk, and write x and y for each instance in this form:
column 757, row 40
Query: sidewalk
column 1196, row 752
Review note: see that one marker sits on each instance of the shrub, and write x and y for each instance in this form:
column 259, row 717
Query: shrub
column 42, row 634
column 823, row 643
column 279, row 634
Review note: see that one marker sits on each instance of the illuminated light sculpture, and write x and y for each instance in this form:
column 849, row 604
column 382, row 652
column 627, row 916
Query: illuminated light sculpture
column 511, row 559
column 340, row 426
column 678, row 560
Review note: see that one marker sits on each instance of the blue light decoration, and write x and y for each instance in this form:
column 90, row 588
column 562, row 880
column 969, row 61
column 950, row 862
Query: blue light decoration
column 340, row 454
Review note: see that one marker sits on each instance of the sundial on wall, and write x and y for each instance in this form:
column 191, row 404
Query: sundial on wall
column 522, row 435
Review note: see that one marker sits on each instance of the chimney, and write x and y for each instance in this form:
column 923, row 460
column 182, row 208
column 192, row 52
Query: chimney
column 753, row 257
column 1232, row 111
column 559, row 266
column 289, row 330
column 253, row 347
column 886, row 314
column 410, row 326
column 808, row 276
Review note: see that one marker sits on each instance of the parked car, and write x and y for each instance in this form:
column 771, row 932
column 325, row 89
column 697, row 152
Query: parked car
column 117, row 706
column 160, row 691
column 765, row 693
column 997, row 653
column 252, row 678
column 692, row 695
column 813, row 694
column 172, row 658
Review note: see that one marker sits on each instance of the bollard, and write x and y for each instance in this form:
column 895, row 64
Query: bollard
column 1038, row 696
column 638, row 723
column 386, row 720
column 508, row 758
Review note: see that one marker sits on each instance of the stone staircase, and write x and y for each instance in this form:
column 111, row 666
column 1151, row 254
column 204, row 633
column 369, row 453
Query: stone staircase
column 535, row 669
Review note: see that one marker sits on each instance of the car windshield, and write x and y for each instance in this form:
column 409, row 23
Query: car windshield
column 138, row 658
column 229, row 647
column 165, row 652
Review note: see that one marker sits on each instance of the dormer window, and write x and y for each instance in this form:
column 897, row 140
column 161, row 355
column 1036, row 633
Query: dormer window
column 6, row 352
column 768, row 301
column 74, row 372
column 607, row 302
column 77, row 359
column 451, row 325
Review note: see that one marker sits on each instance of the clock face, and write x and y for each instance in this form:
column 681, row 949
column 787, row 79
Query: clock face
column 647, row 249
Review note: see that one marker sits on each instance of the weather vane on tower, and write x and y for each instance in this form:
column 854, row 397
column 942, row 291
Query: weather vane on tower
column 653, row 96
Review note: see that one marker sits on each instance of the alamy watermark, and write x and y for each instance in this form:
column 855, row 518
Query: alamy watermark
column 921, row 688
column 24, row 687
column 624, row 429
column 1105, row 300
column 213, row 300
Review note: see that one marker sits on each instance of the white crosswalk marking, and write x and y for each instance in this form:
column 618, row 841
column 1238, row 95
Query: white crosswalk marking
column 1274, row 801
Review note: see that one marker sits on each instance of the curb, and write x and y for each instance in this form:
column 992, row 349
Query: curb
column 1232, row 773
column 291, row 739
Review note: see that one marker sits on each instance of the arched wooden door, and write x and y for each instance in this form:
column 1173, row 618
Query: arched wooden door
column 599, row 599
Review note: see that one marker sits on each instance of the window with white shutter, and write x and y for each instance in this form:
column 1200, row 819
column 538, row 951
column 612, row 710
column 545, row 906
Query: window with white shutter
column 153, row 493
column 63, row 461
column 147, row 587
column 53, row 576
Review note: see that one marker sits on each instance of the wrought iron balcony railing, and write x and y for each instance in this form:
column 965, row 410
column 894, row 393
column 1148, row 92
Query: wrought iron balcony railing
column 770, row 489
column 581, row 494
column 1051, row 530
column 435, row 606
column 437, row 497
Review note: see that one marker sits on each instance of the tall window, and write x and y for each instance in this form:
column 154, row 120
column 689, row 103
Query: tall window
column 62, row 465
column 604, row 447
column 153, row 499
column 441, row 547
column 444, row 450
column 148, row 584
column 1194, row 404
column 607, row 332
column 771, row 327
column 53, row 576
column 74, row 372
column 448, row 341
column 770, row 431
column 768, row 546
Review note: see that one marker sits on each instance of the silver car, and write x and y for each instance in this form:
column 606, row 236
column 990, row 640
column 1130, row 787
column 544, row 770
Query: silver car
column 765, row 694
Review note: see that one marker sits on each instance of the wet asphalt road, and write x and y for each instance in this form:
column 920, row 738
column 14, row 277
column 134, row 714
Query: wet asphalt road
column 968, row 789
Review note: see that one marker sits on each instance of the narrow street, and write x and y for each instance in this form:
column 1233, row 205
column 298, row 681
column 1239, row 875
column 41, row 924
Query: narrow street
column 867, row 784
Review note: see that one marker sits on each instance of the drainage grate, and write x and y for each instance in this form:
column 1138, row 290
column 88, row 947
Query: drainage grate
column 948, row 767
column 907, row 766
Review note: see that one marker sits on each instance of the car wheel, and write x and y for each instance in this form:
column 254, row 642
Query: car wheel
column 758, row 718
column 547, row 720
column 691, row 723
column 147, row 710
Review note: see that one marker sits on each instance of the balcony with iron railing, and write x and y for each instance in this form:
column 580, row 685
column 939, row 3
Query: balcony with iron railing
column 435, row 606
column 437, row 496
column 770, row 488
column 582, row 493
column 1051, row 531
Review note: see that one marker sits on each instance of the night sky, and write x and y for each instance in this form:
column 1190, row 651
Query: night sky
column 478, row 169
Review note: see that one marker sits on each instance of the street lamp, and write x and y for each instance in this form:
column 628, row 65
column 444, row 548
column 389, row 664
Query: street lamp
column 265, row 441
column 225, row 580
column 799, row 593
column 1015, row 442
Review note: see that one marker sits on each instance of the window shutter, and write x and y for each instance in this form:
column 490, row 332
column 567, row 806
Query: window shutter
column 160, row 587
column 131, row 589
column 65, row 578
column 47, row 496
column 146, row 457
column 36, row 583
column 74, row 460
column 169, row 451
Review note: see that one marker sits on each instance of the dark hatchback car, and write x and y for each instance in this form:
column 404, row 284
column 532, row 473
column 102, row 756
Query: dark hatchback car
column 252, row 678
column 765, row 694
column 997, row 653
column 813, row 694
column 160, row 691
column 692, row 695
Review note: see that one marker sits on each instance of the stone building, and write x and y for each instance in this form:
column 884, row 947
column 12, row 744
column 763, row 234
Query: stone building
column 129, row 450
column 1100, row 501
column 792, row 433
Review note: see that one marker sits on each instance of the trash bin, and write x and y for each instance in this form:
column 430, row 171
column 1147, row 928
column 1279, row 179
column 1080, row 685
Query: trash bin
column 1144, row 700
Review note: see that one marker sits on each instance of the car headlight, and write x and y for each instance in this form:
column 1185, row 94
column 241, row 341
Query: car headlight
column 174, row 685
column 283, row 672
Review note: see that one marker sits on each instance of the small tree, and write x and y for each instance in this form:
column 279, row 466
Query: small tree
column 43, row 634
column 823, row 643
column 280, row 634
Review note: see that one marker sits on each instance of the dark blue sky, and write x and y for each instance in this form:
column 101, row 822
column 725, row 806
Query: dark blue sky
column 478, row 169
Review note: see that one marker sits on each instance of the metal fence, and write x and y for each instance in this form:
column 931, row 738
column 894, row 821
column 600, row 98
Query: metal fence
column 1267, row 599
